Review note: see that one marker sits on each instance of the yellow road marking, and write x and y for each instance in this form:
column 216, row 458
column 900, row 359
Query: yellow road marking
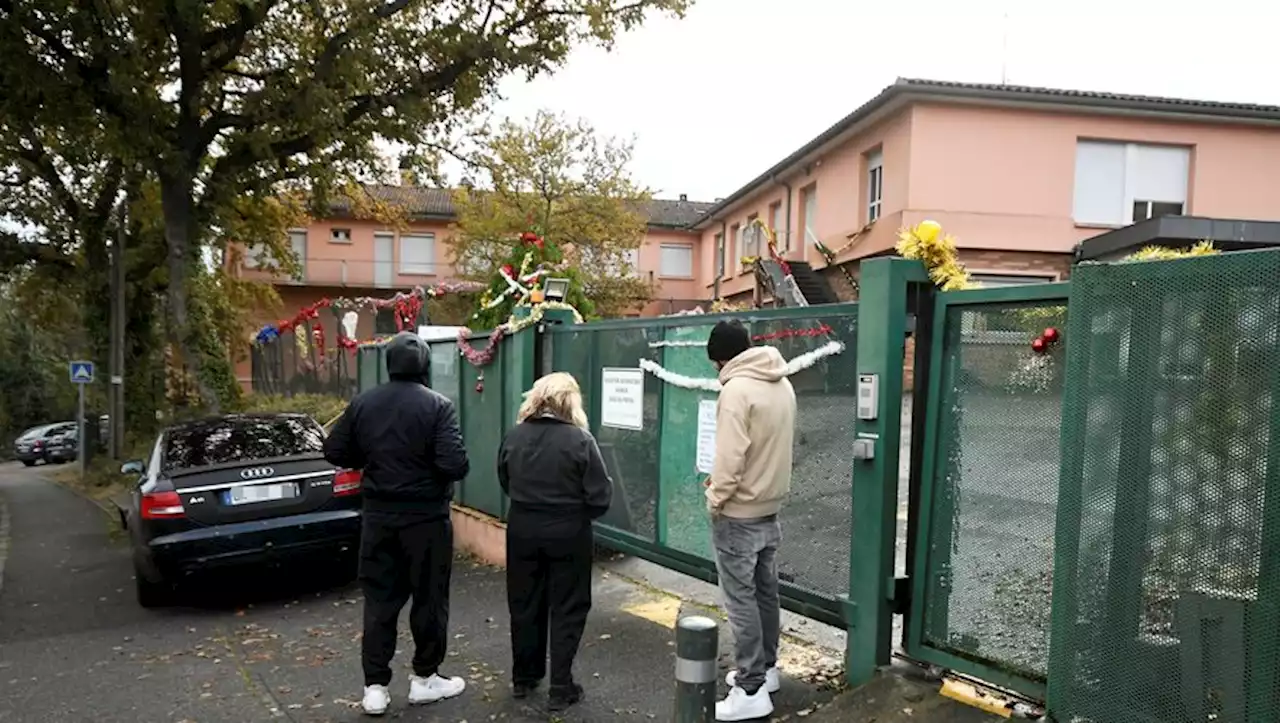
column 663, row 610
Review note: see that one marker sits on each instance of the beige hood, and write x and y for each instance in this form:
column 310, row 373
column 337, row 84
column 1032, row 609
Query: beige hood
column 764, row 363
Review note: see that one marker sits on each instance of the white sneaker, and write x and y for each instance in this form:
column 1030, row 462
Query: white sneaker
column 772, row 681
column 376, row 699
column 429, row 690
column 740, row 706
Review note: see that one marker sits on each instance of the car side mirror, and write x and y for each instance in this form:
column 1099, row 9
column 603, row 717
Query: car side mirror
column 134, row 467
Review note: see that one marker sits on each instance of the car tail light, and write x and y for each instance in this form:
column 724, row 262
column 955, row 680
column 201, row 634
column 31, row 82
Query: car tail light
column 162, row 506
column 346, row 482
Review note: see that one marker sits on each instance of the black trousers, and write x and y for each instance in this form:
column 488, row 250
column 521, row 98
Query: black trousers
column 403, row 557
column 549, row 596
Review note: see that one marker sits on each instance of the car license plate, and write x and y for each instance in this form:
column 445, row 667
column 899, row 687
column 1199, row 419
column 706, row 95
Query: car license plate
column 260, row 493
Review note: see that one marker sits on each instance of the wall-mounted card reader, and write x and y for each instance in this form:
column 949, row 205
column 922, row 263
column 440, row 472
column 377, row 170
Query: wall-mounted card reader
column 868, row 396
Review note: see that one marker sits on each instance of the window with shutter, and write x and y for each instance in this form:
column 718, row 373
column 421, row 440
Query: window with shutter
column 418, row 254
column 676, row 261
column 1121, row 183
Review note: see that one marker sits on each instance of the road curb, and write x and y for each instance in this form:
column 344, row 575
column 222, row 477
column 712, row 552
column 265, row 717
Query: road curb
column 108, row 506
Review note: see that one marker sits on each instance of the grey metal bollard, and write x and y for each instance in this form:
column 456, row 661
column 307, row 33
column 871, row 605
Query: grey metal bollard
column 697, row 647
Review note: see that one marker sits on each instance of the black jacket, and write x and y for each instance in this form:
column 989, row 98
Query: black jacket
column 404, row 436
column 553, row 473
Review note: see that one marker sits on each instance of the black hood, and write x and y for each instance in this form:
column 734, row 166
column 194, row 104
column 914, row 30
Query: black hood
column 408, row 357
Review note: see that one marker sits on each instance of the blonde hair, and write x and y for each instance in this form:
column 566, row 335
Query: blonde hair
column 554, row 395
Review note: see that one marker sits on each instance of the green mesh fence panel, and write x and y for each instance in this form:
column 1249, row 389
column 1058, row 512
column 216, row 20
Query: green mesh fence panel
column 1168, row 549
column 992, row 497
column 816, row 519
column 654, row 469
column 481, row 413
column 683, row 494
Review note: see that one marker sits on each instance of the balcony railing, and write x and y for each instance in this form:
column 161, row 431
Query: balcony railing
column 356, row 273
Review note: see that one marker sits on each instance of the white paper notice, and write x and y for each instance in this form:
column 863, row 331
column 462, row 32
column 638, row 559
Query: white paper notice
column 706, row 435
column 622, row 398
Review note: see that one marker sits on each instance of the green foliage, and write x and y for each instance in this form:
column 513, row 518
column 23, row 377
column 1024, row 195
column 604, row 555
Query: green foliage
column 223, row 104
column 571, row 186
column 33, row 375
column 522, row 259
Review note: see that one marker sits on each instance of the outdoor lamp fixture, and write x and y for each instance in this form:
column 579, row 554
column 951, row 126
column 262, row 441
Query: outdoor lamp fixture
column 556, row 289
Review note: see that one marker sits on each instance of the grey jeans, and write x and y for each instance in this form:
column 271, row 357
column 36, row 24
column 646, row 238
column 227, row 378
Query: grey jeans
column 747, row 560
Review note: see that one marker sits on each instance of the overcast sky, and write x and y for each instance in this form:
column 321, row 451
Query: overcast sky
column 717, row 98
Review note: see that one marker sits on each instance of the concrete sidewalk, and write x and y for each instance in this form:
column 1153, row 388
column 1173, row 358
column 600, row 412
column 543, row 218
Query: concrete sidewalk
column 303, row 654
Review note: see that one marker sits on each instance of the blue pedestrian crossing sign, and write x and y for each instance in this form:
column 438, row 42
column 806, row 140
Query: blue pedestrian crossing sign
column 82, row 372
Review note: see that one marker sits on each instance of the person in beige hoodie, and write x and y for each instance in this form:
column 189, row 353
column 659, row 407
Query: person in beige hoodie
column 751, row 476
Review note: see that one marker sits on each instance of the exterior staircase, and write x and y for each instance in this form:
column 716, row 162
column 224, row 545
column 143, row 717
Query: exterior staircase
column 815, row 288
column 805, row 287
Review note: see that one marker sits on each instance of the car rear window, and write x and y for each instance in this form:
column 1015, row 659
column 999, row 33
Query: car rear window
column 36, row 433
column 32, row 433
column 240, row 438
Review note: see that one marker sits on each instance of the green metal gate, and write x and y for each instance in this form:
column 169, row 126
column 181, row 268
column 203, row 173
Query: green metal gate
column 1167, row 596
column 659, row 511
column 985, row 512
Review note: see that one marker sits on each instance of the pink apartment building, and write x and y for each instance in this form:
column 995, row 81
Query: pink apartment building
column 344, row 256
column 1020, row 176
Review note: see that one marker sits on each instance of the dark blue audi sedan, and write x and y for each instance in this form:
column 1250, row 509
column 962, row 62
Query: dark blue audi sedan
column 239, row 489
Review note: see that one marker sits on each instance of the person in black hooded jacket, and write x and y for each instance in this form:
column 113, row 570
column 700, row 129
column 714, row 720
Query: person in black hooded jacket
column 550, row 467
column 407, row 441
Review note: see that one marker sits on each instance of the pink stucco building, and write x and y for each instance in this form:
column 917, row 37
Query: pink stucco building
column 1020, row 176
column 345, row 256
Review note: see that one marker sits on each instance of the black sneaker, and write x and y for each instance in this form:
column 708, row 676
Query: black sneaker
column 563, row 696
column 520, row 691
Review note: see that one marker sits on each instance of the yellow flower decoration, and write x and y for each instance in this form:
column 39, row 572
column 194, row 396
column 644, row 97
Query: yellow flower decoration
column 937, row 251
column 1159, row 253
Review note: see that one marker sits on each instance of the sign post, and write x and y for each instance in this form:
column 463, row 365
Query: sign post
column 81, row 374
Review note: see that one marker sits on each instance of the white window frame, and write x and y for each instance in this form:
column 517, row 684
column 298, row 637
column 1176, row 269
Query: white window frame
column 252, row 257
column 1030, row 277
column 631, row 262
column 664, row 272
column 339, row 235
column 1182, row 209
column 735, row 233
column 778, row 217
column 875, row 184
column 1130, row 193
column 751, row 240
column 809, row 207
column 720, row 253
column 416, row 267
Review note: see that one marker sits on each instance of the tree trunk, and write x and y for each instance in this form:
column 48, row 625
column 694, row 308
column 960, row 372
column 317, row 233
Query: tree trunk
column 180, row 238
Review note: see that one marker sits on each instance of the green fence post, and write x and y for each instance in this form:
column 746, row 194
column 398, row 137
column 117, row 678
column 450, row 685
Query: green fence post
column 882, row 326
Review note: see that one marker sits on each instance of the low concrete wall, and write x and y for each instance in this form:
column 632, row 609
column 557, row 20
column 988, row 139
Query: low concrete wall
column 480, row 535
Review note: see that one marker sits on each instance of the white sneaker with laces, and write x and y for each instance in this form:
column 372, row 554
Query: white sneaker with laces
column 772, row 681
column 740, row 706
column 376, row 699
column 434, row 688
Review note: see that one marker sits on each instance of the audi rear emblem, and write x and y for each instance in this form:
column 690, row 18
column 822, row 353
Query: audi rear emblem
column 257, row 473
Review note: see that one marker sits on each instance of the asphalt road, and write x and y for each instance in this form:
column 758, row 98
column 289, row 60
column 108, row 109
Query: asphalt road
column 75, row 646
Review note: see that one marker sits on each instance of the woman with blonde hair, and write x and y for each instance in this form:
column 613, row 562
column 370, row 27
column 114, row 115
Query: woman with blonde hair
column 550, row 467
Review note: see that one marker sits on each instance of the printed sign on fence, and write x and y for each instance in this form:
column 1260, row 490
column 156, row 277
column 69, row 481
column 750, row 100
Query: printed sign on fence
column 622, row 398
column 706, row 457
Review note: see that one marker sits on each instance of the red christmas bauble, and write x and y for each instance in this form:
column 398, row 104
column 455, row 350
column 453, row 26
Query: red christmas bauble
column 1039, row 345
column 1050, row 335
column 479, row 386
